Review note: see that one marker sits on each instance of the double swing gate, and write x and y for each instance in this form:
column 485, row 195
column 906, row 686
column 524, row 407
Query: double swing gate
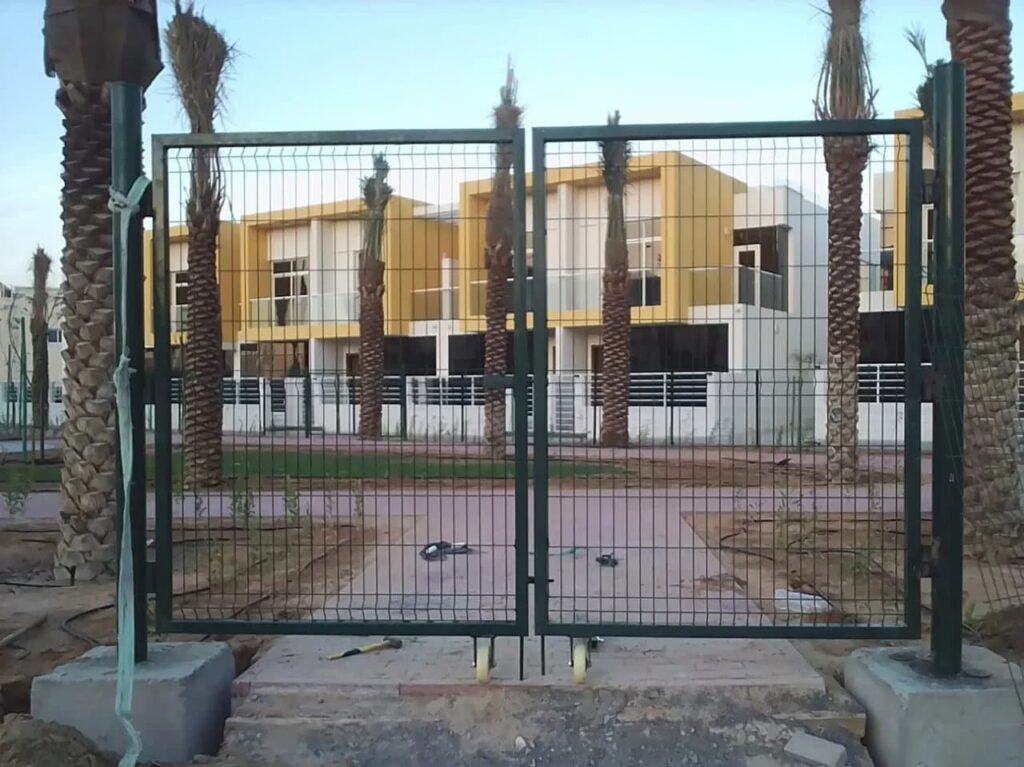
column 615, row 396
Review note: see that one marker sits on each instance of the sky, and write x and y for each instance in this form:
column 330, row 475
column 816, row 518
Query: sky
column 367, row 64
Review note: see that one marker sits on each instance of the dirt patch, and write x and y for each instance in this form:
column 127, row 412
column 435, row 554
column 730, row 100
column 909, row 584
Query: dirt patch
column 1002, row 631
column 27, row 743
column 853, row 562
column 271, row 573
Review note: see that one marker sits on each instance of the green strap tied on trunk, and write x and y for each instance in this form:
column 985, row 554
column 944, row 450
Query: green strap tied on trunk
column 125, row 208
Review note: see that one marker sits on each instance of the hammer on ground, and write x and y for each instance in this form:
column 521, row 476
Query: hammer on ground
column 387, row 643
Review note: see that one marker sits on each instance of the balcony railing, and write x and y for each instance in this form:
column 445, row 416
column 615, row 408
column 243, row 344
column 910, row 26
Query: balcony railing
column 712, row 285
column 303, row 310
column 280, row 311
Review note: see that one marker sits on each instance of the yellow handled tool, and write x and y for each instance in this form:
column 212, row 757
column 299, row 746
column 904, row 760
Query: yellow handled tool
column 388, row 643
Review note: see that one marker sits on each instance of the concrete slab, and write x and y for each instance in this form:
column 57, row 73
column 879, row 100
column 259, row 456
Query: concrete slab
column 182, row 699
column 916, row 718
column 441, row 665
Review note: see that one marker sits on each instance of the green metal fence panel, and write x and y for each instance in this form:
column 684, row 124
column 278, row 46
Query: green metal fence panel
column 731, row 511
column 320, row 524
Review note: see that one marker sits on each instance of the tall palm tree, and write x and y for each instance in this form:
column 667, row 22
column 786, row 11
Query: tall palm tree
column 844, row 93
column 376, row 194
column 200, row 58
column 88, row 479
column 615, row 298
column 499, row 244
column 979, row 36
column 40, row 356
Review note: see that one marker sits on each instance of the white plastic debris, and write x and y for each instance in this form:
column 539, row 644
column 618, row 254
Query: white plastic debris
column 798, row 602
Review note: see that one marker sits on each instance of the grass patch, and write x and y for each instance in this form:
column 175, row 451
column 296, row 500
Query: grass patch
column 283, row 463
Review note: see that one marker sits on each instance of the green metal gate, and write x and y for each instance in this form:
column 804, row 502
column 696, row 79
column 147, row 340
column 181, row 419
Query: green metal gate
column 720, row 518
column 417, row 530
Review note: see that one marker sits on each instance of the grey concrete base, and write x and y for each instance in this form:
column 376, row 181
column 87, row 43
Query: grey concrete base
column 182, row 698
column 915, row 718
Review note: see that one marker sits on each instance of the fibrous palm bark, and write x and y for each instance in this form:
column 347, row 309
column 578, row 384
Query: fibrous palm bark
column 615, row 305
column 500, row 238
column 199, row 58
column 844, row 93
column 88, row 478
column 376, row 194
column 979, row 37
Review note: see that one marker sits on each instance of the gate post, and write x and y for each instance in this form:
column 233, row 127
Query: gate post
column 949, row 122
column 126, row 166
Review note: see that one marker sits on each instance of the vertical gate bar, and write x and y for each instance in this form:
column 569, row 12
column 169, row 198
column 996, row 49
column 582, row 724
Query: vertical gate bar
column 520, row 357
column 947, row 477
column 162, row 384
column 913, row 329
column 540, row 387
column 126, row 166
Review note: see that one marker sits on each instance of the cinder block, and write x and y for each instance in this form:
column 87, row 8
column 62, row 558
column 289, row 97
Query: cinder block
column 916, row 718
column 182, row 699
column 808, row 749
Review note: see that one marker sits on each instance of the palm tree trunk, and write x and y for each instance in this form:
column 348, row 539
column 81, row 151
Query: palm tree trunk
column 88, row 479
column 615, row 329
column 371, row 347
column 845, row 161
column 979, row 35
column 204, row 359
column 499, row 270
column 40, row 357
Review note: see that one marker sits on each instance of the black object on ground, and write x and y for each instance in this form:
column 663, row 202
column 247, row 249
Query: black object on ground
column 607, row 560
column 441, row 549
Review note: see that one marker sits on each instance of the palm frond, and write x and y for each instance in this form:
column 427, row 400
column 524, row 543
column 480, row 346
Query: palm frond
column 376, row 191
column 845, row 90
column 200, row 59
column 508, row 112
column 915, row 36
column 615, row 155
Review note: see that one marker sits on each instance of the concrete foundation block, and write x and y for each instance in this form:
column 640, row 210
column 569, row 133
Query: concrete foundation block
column 182, row 699
column 916, row 718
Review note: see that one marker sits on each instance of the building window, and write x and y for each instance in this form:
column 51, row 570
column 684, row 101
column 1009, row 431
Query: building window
column 291, row 278
column 56, row 393
column 53, row 335
column 181, row 289
column 643, row 241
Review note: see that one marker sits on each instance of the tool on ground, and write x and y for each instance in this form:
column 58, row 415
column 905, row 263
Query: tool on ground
column 441, row 549
column 388, row 643
column 607, row 560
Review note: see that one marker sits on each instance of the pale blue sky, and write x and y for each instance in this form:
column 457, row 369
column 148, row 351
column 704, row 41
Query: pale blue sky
column 348, row 64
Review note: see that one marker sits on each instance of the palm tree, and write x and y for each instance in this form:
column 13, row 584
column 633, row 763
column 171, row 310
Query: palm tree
column 88, row 479
column 499, row 243
column 979, row 36
column 615, row 305
column 40, row 357
column 376, row 194
column 844, row 93
column 200, row 58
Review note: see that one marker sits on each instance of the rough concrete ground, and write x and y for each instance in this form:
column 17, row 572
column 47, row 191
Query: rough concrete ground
column 646, row 702
column 606, row 728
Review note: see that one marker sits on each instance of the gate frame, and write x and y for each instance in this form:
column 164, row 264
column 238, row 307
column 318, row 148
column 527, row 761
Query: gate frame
column 518, row 382
column 912, row 131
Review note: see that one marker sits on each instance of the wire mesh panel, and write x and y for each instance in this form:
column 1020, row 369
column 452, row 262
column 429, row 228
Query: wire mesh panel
column 322, row 398
column 725, row 337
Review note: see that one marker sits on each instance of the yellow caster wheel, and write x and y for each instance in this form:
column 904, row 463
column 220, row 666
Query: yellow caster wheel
column 580, row 661
column 483, row 663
